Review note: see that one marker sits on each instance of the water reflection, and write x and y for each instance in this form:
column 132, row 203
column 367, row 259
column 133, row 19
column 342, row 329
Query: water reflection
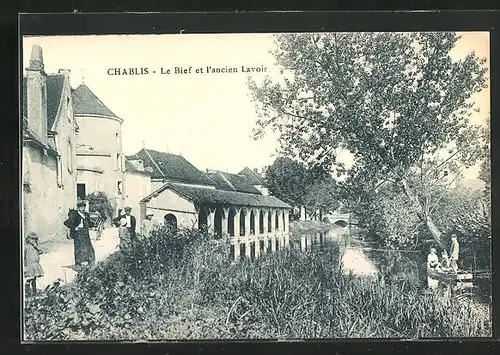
column 359, row 257
column 363, row 258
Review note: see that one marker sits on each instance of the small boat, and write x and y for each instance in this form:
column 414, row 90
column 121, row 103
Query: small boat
column 445, row 276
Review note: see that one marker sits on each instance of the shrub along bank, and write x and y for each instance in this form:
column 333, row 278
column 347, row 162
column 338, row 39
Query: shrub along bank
column 184, row 286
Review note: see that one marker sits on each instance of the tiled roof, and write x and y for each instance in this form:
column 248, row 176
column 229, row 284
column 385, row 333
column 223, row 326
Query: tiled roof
column 55, row 86
column 172, row 167
column 129, row 167
column 252, row 177
column 232, row 182
column 30, row 137
column 201, row 195
column 85, row 102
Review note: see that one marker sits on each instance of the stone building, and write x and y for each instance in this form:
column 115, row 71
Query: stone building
column 101, row 164
column 49, row 150
column 226, row 204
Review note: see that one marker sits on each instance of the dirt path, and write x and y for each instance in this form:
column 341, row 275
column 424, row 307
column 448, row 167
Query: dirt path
column 59, row 264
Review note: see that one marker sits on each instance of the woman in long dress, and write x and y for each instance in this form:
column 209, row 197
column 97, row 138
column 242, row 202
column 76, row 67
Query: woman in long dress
column 78, row 223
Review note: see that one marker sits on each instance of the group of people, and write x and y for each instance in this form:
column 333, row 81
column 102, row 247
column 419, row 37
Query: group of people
column 448, row 262
column 79, row 225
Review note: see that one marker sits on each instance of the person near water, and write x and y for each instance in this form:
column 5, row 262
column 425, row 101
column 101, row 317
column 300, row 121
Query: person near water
column 32, row 267
column 433, row 260
column 454, row 251
column 433, row 265
column 445, row 261
column 79, row 223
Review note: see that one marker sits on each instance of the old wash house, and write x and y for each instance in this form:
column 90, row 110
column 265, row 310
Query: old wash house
column 226, row 204
column 72, row 146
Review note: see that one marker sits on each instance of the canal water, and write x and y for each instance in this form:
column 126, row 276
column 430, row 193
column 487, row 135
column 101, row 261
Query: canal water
column 362, row 257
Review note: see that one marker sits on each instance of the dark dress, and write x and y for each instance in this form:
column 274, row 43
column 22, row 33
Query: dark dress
column 84, row 251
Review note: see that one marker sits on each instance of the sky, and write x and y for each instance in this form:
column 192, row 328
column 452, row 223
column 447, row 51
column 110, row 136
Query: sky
column 207, row 118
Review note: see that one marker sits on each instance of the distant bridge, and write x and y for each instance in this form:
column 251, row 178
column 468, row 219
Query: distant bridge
column 340, row 219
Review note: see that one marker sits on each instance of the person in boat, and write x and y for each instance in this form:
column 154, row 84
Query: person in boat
column 433, row 260
column 445, row 262
column 454, row 250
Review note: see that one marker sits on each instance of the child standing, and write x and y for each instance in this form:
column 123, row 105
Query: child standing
column 32, row 267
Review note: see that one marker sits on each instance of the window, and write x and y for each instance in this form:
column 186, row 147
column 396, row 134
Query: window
column 81, row 191
column 119, row 187
column 117, row 137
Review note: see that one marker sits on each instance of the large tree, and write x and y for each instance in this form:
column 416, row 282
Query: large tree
column 396, row 101
column 287, row 180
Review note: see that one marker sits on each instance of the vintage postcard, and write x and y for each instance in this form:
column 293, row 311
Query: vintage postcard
column 256, row 186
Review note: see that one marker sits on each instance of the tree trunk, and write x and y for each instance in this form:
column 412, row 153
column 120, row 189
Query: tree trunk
column 429, row 223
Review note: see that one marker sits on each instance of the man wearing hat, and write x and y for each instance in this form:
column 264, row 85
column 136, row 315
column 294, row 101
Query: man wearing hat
column 454, row 252
column 131, row 222
column 78, row 223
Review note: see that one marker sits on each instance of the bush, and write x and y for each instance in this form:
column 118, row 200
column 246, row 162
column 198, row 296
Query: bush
column 184, row 286
column 99, row 201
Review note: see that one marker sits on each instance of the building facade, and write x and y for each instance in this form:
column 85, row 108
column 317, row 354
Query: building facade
column 100, row 161
column 49, row 150
column 227, row 205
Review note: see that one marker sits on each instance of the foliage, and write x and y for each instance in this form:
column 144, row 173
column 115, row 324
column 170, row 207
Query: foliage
column 287, row 180
column 99, row 201
column 293, row 183
column 183, row 286
column 395, row 101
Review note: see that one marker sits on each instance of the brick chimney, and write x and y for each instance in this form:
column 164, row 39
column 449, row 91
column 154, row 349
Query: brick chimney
column 36, row 88
column 64, row 71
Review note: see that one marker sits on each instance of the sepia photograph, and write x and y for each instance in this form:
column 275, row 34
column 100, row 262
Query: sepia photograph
column 330, row 185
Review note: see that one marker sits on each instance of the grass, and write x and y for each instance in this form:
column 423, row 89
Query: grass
column 185, row 287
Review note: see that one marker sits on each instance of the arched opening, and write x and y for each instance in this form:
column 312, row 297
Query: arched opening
column 269, row 222
column 252, row 250
column 261, row 222
column 341, row 223
column 276, row 219
column 269, row 244
column 202, row 219
column 283, row 219
column 219, row 216
column 252, row 222
column 277, row 244
column 170, row 222
column 242, row 222
column 230, row 222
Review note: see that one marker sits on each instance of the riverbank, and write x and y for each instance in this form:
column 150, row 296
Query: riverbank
column 185, row 287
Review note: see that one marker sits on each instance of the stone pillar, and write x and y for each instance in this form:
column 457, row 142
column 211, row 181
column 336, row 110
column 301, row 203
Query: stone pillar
column 273, row 242
column 256, row 220
column 247, row 248
column 265, row 232
column 236, row 223
column 272, row 213
column 257, row 247
column 247, row 222
column 236, row 249
column 225, row 221
column 303, row 243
